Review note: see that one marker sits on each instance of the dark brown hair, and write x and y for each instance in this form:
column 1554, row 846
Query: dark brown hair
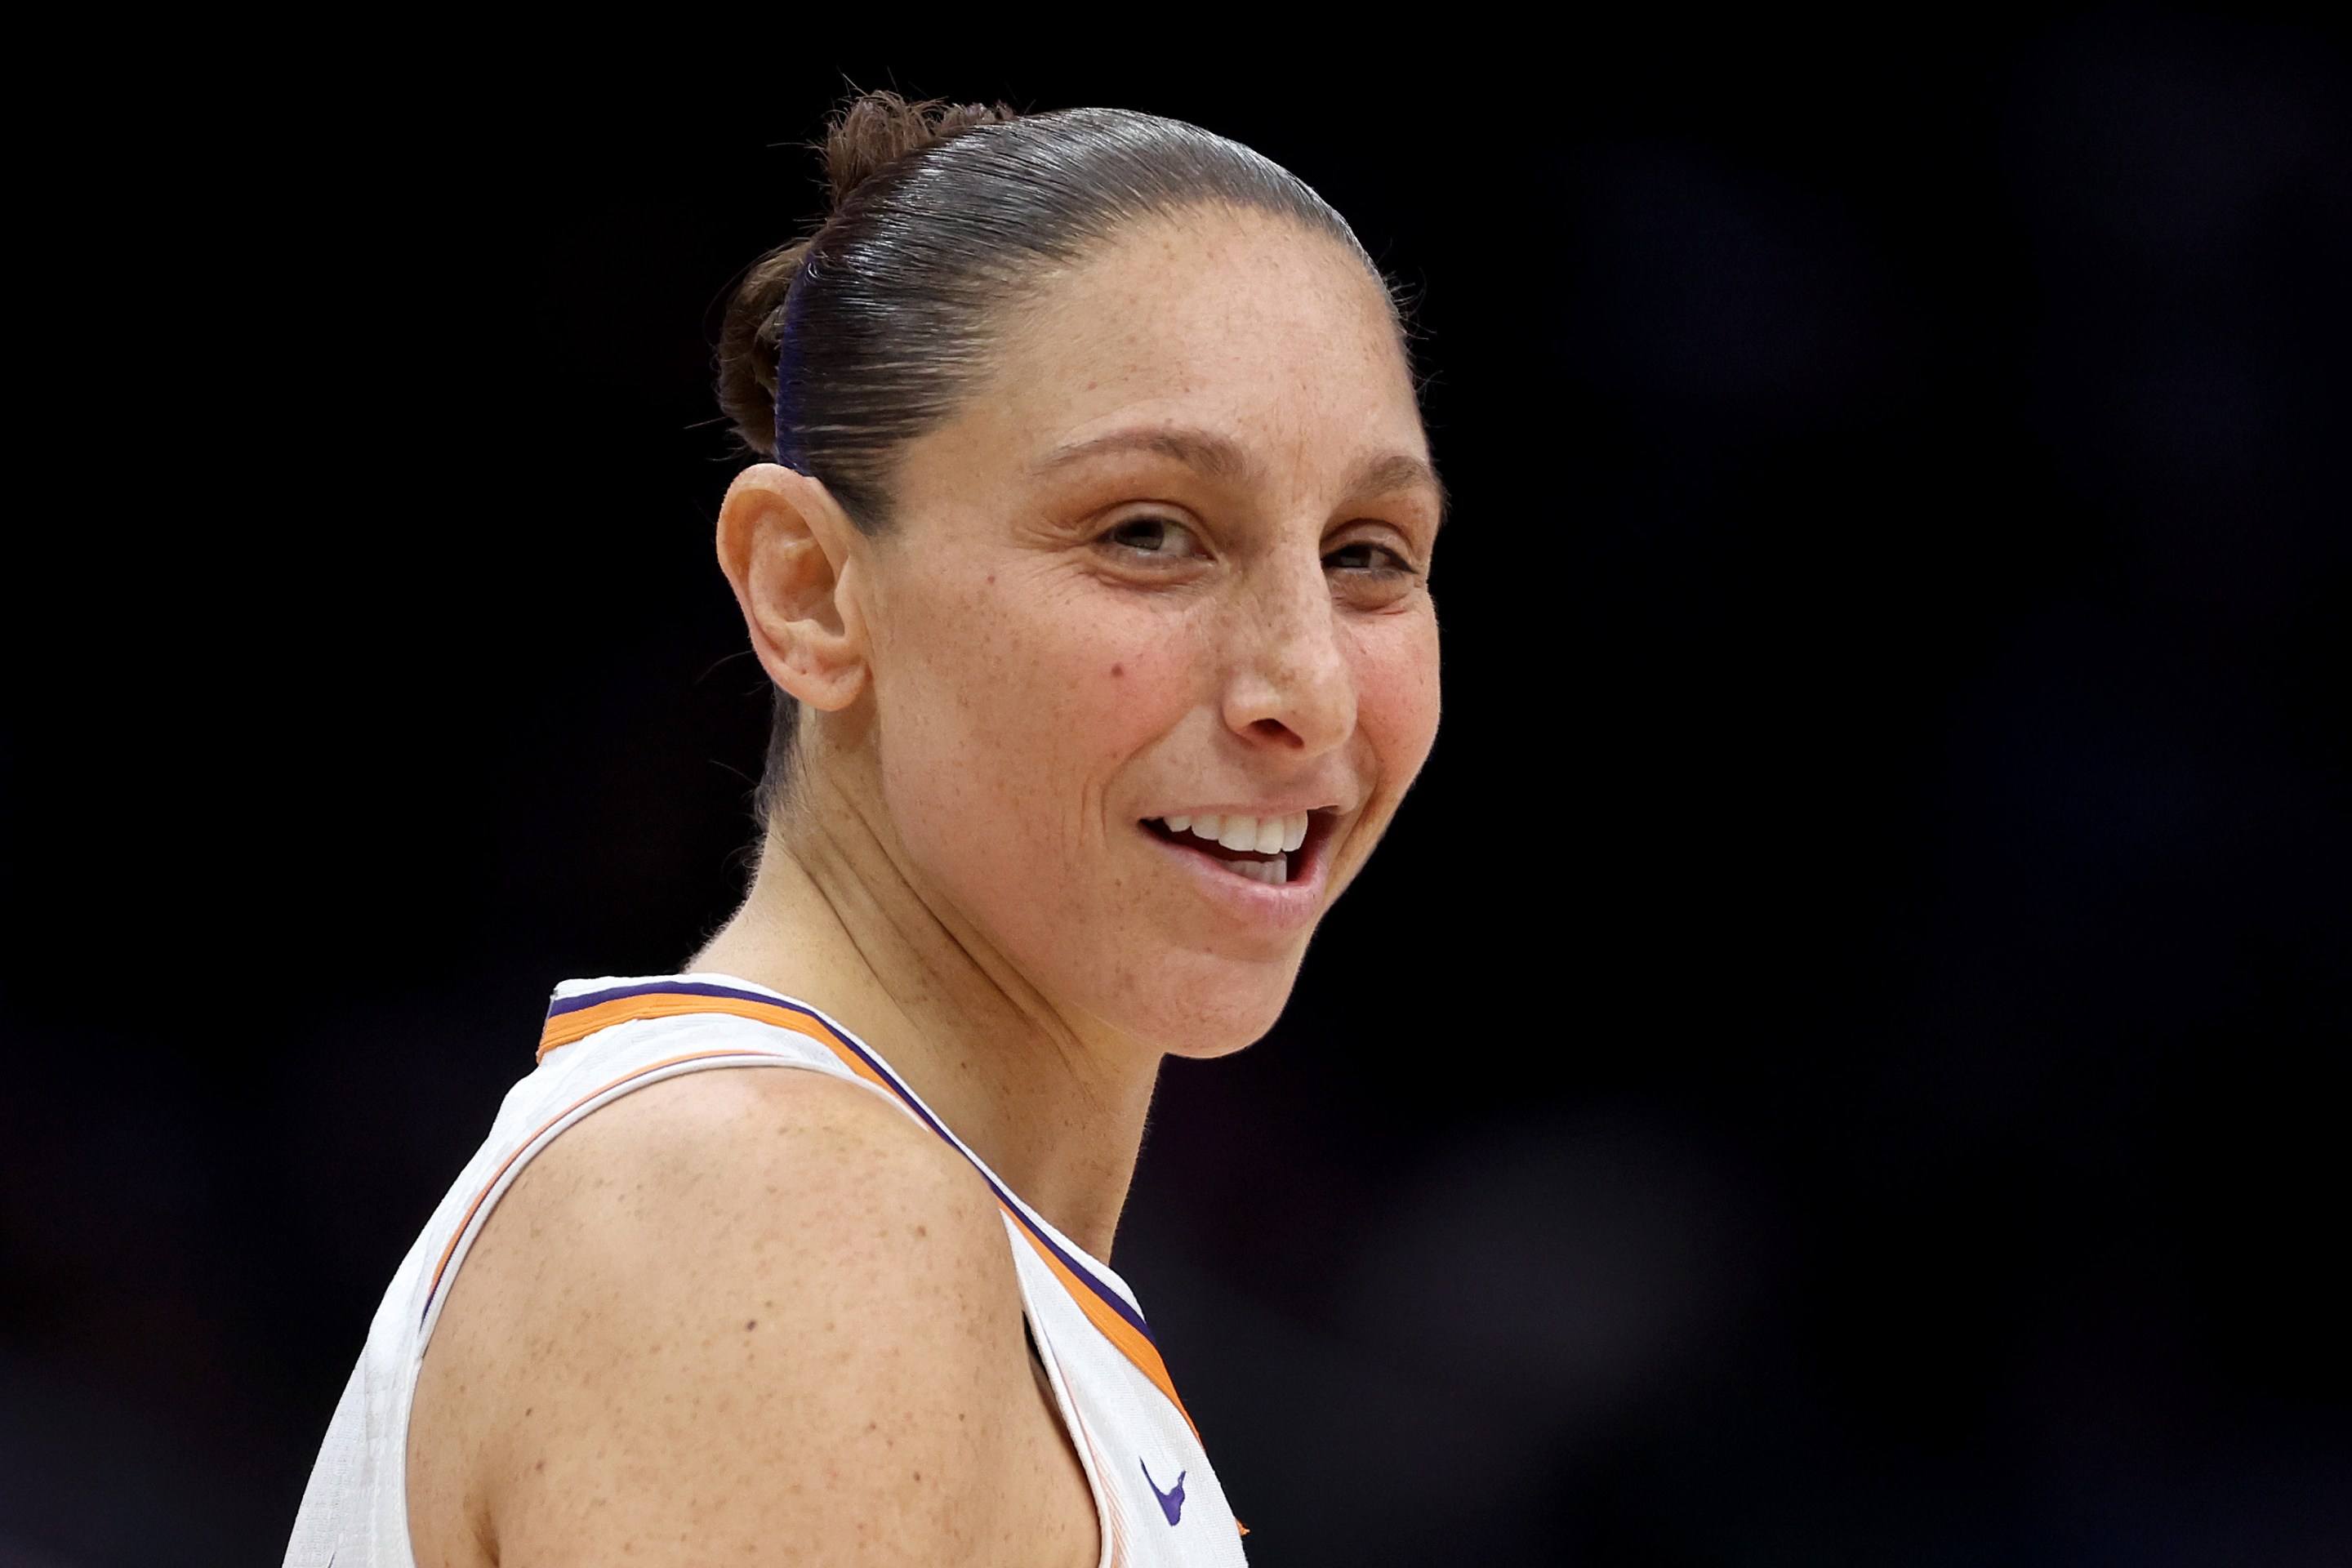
column 840, row 349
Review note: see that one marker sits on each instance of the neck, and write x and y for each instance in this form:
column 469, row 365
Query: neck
column 1056, row 1108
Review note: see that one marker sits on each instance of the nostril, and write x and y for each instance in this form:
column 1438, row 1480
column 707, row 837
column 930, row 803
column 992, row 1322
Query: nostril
column 1275, row 730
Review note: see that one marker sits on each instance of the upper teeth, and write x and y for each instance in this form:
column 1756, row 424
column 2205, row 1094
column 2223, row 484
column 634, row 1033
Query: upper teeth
column 1259, row 835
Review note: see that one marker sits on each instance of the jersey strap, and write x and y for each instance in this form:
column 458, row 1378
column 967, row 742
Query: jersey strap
column 575, row 1018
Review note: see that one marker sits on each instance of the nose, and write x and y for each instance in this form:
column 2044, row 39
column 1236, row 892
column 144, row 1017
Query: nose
column 1289, row 687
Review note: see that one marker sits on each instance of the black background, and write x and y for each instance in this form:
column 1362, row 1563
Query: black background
column 1839, row 1059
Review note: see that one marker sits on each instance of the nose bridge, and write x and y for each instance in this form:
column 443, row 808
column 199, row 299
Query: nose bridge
column 1292, row 668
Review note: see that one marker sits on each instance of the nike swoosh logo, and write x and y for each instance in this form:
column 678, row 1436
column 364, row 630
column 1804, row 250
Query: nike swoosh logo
column 1172, row 1502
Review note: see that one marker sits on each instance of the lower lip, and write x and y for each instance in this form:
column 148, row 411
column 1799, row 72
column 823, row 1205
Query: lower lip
column 1282, row 905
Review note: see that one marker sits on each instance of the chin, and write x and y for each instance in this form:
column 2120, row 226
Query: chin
column 1231, row 1007
column 1208, row 1053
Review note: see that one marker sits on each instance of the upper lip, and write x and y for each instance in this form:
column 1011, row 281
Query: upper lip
column 1285, row 809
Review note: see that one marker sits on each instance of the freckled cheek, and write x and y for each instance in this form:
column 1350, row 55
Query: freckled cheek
column 1096, row 686
column 1396, row 666
column 1137, row 695
column 1044, row 697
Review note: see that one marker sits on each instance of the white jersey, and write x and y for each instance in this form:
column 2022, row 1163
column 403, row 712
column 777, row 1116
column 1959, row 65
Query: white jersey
column 1156, row 1500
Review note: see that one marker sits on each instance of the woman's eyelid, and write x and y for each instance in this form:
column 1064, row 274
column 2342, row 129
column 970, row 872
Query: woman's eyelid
column 1398, row 556
column 1185, row 534
column 1176, row 518
column 1380, row 533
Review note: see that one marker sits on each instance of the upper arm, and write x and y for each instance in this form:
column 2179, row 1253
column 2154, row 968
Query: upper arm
column 748, row 1316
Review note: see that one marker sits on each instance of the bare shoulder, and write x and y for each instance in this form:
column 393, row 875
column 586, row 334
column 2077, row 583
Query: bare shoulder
column 734, row 1311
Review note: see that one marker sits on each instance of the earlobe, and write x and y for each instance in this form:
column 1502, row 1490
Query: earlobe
column 785, row 545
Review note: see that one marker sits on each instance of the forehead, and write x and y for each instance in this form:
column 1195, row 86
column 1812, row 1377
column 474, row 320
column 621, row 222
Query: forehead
column 1240, row 322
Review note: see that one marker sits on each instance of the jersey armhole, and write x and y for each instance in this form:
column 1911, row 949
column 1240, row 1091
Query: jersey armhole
column 1107, row 1523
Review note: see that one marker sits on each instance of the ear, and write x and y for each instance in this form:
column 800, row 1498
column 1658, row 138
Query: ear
column 787, row 549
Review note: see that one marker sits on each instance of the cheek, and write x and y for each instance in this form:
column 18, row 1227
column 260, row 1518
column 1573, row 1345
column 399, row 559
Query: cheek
column 1007, row 707
column 1395, row 661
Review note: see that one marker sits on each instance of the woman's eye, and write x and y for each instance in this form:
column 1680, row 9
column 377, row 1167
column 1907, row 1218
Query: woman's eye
column 1163, row 539
column 1364, row 556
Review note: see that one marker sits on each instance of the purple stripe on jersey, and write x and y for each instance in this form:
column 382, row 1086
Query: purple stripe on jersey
column 562, row 1005
column 1110, row 1297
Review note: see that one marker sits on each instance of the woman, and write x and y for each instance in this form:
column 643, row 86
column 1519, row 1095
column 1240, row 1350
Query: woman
column 1095, row 547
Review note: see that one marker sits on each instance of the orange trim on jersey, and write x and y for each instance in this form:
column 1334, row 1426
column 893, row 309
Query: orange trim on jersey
column 1114, row 1328
column 571, row 1028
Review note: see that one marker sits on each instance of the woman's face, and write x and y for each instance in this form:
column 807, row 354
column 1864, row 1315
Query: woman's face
column 1152, row 606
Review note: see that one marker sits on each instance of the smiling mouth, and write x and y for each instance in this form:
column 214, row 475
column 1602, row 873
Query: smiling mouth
column 1263, row 849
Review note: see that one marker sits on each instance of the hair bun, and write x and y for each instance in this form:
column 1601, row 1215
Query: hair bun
column 877, row 129
column 873, row 132
column 749, row 337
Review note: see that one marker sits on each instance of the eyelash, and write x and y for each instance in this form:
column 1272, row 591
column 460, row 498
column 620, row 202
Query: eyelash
column 1397, row 565
column 1168, row 524
column 1385, row 561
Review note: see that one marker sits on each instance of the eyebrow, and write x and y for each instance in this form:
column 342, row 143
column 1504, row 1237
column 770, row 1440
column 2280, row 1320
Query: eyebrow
column 1218, row 457
column 1400, row 471
column 1214, row 454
